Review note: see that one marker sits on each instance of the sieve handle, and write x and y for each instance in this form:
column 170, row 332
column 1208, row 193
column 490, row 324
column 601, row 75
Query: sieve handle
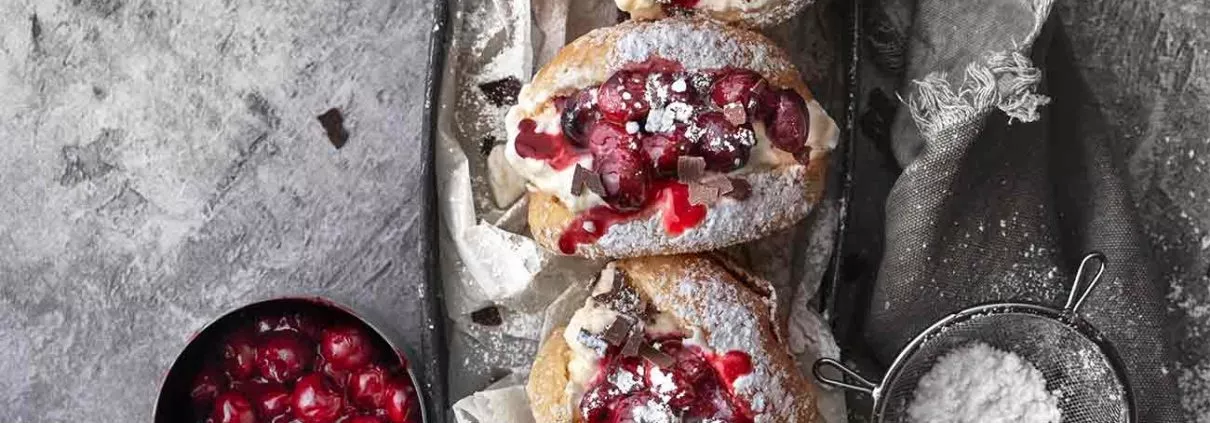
column 862, row 386
column 1079, row 289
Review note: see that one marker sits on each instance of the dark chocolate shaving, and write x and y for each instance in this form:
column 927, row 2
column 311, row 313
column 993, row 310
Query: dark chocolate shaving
column 633, row 344
column 656, row 357
column 618, row 331
column 592, row 341
column 584, row 178
column 623, row 298
column 487, row 316
column 740, row 189
column 721, row 182
column 702, row 194
column 334, row 125
column 690, row 168
column 502, row 92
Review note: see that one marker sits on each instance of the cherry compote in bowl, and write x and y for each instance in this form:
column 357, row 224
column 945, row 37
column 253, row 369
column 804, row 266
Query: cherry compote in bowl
column 290, row 360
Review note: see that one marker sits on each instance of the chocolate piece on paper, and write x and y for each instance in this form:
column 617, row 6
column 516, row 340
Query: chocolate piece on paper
column 633, row 344
column 702, row 194
column 487, row 316
column 740, row 189
column 690, row 169
column 656, row 357
column 617, row 332
column 584, row 178
column 502, row 92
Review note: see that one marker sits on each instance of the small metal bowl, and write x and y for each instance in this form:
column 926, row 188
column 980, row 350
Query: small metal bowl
column 173, row 404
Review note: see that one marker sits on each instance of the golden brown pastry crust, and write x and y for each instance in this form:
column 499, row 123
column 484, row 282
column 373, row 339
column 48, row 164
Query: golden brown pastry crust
column 674, row 284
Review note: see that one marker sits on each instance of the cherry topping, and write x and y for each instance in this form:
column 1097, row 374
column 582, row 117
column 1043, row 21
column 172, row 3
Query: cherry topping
column 400, row 401
column 272, row 400
column 206, row 386
column 315, row 400
column 239, row 356
column 577, row 116
column 662, row 151
column 620, row 165
column 724, row 146
column 787, row 123
column 284, row 356
column 734, row 364
column 739, row 86
column 623, row 97
column 368, row 387
column 346, row 347
column 231, row 407
column 672, row 88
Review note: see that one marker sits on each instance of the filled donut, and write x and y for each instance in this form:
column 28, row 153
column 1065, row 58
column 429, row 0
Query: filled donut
column 744, row 12
column 670, row 339
column 671, row 136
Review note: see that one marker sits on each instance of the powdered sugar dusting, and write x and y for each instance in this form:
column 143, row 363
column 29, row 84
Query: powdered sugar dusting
column 696, row 48
column 777, row 201
column 732, row 326
column 979, row 383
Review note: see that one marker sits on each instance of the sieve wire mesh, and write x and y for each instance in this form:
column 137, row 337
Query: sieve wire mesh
column 1087, row 381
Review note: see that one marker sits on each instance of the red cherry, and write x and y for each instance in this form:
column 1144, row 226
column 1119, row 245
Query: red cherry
column 284, row 356
column 231, row 407
column 338, row 376
column 364, row 419
column 624, row 177
column 672, row 88
column 732, row 365
column 206, row 386
column 622, row 410
column 368, row 387
column 623, row 97
column 663, row 151
column 315, row 400
column 239, row 356
column 577, row 116
column 724, row 146
column 401, row 399
column 271, row 400
column 346, row 347
column 606, row 137
column 787, row 123
column 740, row 86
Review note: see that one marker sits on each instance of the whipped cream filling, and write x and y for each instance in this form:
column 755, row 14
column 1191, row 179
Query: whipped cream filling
column 823, row 135
column 648, row 9
column 595, row 318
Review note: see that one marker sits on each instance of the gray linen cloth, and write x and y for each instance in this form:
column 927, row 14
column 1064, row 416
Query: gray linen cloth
column 1000, row 197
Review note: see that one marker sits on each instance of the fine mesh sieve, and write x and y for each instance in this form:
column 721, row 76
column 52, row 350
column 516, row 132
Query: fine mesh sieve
column 1077, row 362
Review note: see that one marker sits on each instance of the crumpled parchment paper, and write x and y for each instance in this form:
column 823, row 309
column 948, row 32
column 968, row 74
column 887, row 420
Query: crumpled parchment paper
column 503, row 292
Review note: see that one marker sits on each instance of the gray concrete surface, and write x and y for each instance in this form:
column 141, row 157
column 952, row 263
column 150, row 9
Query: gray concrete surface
column 161, row 162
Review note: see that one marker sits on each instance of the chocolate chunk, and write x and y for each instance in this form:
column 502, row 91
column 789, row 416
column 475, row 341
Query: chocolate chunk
column 740, row 189
column 690, row 168
column 502, row 92
column 617, row 331
column 592, row 341
column 334, row 125
column 487, row 316
column 702, row 194
column 721, row 182
column 584, row 178
column 487, row 144
column 633, row 344
column 623, row 298
column 656, row 357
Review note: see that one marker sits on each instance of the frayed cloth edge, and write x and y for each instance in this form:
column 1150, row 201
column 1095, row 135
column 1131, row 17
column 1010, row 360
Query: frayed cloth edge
column 1004, row 80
